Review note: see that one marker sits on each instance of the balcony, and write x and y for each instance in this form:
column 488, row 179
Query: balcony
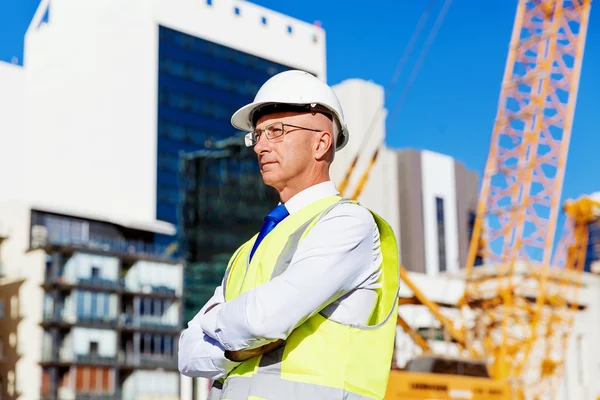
column 94, row 396
column 95, row 359
column 66, row 357
column 68, row 394
column 67, row 319
column 92, row 284
column 97, row 320
column 125, row 248
column 132, row 287
column 149, row 361
column 61, row 315
column 97, row 282
column 140, row 287
column 147, row 323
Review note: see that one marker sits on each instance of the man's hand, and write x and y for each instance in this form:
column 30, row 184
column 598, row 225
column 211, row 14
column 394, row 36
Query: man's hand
column 242, row 355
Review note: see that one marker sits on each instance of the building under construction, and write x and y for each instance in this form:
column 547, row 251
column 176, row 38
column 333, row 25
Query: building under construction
column 223, row 201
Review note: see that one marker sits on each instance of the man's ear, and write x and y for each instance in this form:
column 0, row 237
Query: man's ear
column 324, row 145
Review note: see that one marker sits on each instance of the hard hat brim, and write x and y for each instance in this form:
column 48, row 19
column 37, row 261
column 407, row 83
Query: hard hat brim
column 242, row 120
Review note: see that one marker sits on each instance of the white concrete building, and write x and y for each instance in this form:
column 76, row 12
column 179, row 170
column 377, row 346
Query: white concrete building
column 88, row 322
column 426, row 197
column 365, row 113
column 92, row 116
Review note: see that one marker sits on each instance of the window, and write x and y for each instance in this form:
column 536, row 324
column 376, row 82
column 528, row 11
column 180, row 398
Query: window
column 209, row 2
column 263, row 20
column 1, row 308
column 236, row 10
column 94, row 348
column 289, row 29
column 95, row 272
column 481, row 246
column 441, row 235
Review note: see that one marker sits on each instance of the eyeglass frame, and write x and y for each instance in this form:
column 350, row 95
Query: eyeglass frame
column 251, row 135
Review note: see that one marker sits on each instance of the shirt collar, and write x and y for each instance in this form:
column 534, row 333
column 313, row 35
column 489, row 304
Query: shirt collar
column 310, row 195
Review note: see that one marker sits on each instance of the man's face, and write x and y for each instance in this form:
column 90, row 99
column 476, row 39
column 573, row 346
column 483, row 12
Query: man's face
column 291, row 155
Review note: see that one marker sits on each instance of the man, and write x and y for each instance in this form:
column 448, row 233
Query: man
column 306, row 311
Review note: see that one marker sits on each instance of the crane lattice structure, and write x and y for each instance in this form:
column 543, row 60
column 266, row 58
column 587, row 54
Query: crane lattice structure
column 505, row 304
column 518, row 311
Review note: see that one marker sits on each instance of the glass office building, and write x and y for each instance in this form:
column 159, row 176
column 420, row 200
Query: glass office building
column 224, row 202
column 201, row 84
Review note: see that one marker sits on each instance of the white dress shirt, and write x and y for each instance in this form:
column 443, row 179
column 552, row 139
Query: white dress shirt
column 335, row 270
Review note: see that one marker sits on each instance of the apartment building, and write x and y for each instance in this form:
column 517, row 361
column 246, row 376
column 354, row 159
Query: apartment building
column 94, row 307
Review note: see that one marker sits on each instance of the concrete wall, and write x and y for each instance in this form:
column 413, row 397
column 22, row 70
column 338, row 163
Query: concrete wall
column 424, row 176
column 28, row 266
column 90, row 79
column 147, row 273
column 12, row 120
column 363, row 105
column 438, row 182
column 80, row 267
column 151, row 384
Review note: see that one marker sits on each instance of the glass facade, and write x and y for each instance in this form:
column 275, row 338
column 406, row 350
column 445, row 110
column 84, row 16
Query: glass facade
column 224, row 204
column 200, row 85
column 593, row 246
column 208, row 182
column 481, row 246
column 441, row 235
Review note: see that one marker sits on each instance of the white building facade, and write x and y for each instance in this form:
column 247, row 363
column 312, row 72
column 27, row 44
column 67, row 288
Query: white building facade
column 428, row 198
column 88, row 323
column 111, row 92
column 365, row 113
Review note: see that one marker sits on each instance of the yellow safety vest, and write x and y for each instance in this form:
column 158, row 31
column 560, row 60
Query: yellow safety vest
column 321, row 359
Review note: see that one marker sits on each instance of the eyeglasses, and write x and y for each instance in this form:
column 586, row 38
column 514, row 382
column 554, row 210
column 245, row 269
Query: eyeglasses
column 273, row 131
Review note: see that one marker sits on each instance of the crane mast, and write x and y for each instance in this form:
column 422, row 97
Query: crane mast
column 504, row 302
column 518, row 311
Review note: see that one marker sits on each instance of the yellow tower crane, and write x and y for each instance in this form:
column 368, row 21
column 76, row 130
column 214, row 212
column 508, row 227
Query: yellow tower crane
column 510, row 302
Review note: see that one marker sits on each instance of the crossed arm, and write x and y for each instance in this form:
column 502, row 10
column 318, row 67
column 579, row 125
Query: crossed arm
column 224, row 333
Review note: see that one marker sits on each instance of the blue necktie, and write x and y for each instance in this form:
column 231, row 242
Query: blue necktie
column 271, row 220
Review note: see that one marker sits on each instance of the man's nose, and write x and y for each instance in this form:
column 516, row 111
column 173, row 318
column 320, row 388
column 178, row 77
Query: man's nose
column 262, row 145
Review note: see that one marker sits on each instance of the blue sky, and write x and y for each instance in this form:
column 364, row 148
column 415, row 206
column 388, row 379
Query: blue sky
column 453, row 102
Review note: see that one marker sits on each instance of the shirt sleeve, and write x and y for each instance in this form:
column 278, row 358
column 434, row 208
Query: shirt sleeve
column 200, row 356
column 332, row 260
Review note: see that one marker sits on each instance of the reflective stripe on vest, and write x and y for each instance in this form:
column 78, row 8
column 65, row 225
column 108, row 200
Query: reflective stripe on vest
column 321, row 359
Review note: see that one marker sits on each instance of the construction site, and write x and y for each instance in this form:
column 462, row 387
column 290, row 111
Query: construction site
column 511, row 321
column 500, row 277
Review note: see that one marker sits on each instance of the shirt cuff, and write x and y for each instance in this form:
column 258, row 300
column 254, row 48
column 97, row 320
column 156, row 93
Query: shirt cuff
column 208, row 323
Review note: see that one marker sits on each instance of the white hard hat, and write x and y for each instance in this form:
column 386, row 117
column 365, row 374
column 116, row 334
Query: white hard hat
column 294, row 88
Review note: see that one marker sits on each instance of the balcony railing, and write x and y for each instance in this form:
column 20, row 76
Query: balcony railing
column 94, row 396
column 135, row 286
column 97, row 319
column 147, row 360
column 129, row 321
column 95, row 359
column 59, row 315
column 118, row 246
column 98, row 282
column 68, row 357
